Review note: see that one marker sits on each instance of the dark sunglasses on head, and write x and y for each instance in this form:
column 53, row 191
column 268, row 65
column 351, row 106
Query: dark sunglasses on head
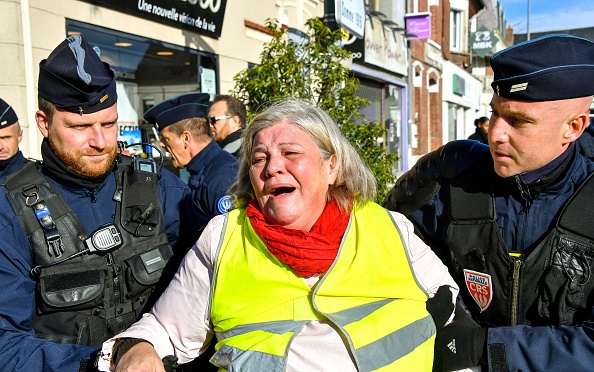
column 214, row 119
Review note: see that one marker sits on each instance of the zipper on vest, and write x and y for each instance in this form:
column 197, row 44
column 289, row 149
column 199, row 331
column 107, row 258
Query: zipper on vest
column 518, row 260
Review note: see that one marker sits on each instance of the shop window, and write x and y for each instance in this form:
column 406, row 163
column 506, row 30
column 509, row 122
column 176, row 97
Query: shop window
column 374, row 93
column 147, row 72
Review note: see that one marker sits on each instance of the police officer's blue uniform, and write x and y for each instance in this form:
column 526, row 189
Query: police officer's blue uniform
column 12, row 165
column 212, row 171
column 522, row 225
column 20, row 350
column 58, row 295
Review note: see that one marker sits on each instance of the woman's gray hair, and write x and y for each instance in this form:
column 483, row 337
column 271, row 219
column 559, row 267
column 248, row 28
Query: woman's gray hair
column 354, row 179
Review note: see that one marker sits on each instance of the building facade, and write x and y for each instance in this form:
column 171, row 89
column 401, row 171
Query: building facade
column 157, row 48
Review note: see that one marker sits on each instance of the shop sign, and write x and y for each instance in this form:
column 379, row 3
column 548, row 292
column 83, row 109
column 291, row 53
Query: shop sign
column 350, row 15
column 418, row 25
column 433, row 55
column 483, row 41
column 382, row 47
column 201, row 16
column 459, row 85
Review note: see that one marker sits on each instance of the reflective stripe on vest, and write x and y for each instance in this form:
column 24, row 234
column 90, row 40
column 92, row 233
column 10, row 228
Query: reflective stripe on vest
column 370, row 294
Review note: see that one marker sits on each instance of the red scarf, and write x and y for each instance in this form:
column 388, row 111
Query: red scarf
column 308, row 253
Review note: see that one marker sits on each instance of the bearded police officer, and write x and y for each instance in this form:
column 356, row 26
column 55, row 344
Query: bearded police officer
column 11, row 134
column 514, row 221
column 86, row 236
column 185, row 133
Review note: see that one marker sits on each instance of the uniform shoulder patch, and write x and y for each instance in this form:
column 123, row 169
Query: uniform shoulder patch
column 225, row 204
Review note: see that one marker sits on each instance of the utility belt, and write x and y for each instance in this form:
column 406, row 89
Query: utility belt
column 90, row 286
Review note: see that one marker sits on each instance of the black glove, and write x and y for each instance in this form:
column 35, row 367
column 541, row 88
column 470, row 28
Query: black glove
column 441, row 306
column 461, row 344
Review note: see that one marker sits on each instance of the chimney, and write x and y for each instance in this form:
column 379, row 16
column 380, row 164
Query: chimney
column 509, row 37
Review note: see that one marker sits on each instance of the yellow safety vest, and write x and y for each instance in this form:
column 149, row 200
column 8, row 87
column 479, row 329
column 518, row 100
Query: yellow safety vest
column 369, row 293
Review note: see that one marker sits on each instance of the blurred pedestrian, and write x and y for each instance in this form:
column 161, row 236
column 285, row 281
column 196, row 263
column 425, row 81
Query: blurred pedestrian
column 480, row 132
column 227, row 119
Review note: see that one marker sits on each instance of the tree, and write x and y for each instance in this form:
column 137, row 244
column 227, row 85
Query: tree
column 313, row 70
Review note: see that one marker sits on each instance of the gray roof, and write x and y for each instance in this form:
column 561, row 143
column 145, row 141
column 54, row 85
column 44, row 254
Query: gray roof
column 586, row 33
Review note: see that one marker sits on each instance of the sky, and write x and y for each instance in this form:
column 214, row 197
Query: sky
column 548, row 15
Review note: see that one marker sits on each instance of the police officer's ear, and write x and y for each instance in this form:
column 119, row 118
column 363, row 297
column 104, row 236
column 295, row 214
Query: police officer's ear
column 186, row 138
column 42, row 123
column 576, row 127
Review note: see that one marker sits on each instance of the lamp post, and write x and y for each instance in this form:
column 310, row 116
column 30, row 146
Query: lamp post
column 528, row 23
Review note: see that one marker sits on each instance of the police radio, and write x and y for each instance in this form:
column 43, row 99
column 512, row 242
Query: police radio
column 105, row 239
column 143, row 164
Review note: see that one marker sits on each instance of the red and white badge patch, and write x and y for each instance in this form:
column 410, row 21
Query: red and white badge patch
column 480, row 287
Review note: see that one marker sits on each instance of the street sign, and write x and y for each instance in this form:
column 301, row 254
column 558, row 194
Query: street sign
column 483, row 41
column 350, row 15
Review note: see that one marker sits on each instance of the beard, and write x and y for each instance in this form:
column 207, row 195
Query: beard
column 73, row 159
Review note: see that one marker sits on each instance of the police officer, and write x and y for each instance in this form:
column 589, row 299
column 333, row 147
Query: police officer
column 11, row 134
column 86, row 236
column 513, row 221
column 185, row 133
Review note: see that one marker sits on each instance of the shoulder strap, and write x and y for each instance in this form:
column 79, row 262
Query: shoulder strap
column 470, row 196
column 414, row 188
column 27, row 185
column 577, row 215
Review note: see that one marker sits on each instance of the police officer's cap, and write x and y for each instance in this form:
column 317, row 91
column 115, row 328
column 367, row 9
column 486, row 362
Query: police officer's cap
column 551, row 67
column 75, row 79
column 178, row 108
column 7, row 115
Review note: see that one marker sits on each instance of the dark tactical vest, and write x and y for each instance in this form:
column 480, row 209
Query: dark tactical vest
column 553, row 285
column 92, row 297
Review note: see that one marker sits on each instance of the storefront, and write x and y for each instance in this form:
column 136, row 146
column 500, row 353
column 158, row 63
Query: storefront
column 157, row 48
column 148, row 71
column 380, row 61
column 461, row 102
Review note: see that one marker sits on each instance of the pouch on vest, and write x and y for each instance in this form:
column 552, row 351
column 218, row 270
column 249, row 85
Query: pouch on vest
column 67, row 287
column 145, row 269
column 140, row 216
column 567, row 281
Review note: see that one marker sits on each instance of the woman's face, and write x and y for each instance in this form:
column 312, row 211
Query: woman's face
column 289, row 176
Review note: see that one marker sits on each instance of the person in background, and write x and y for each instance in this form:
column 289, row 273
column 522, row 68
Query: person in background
column 303, row 274
column 185, row 133
column 87, row 236
column 480, row 133
column 11, row 134
column 227, row 119
column 513, row 220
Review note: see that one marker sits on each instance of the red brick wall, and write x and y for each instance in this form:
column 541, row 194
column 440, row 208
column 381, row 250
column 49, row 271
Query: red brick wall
column 427, row 107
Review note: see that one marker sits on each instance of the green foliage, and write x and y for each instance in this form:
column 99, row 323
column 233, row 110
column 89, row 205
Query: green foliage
column 313, row 70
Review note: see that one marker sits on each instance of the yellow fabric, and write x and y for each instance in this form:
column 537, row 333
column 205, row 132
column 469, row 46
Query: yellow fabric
column 252, row 287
